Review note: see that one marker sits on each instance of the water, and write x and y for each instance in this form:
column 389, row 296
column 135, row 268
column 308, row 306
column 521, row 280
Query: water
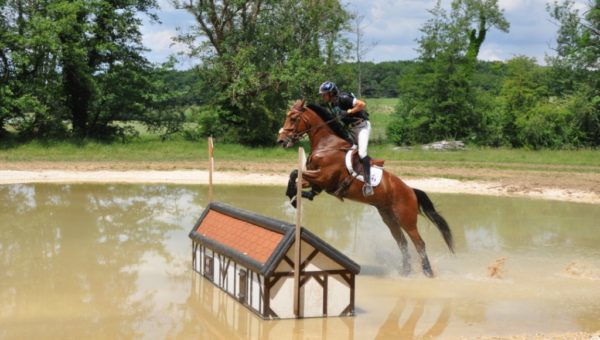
column 113, row 261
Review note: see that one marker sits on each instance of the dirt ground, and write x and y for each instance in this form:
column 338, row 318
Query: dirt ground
column 567, row 183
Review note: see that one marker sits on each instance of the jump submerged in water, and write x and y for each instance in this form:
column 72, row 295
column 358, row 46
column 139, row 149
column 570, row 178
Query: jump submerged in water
column 397, row 203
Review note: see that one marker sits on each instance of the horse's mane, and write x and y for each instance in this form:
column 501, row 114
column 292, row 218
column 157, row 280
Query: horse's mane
column 321, row 111
column 329, row 118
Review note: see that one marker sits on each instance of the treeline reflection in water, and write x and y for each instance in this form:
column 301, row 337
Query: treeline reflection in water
column 113, row 261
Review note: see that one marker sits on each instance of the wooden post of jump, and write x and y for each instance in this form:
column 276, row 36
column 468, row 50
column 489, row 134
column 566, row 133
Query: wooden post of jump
column 211, row 165
column 297, row 242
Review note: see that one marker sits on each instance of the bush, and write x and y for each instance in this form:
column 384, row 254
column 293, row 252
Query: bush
column 547, row 125
column 208, row 124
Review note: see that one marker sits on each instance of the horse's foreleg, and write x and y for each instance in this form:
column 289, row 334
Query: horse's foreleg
column 314, row 191
column 292, row 188
column 390, row 220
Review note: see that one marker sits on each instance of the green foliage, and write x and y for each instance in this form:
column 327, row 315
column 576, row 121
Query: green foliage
column 576, row 67
column 28, row 68
column 585, row 107
column 79, row 62
column 491, row 128
column 6, row 102
column 543, row 126
column 517, row 103
column 74, row 68
column 379, row 80
column 438, row 97
column 261, row 54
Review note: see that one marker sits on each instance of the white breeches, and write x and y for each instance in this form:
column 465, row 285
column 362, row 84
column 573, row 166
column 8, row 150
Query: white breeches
column 361, row 134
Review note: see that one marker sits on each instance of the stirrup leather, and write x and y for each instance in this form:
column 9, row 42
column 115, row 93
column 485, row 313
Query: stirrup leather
column 376, row 172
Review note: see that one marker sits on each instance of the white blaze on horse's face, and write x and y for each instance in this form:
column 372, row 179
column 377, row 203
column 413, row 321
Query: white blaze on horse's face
column 288, row 134
column 284, row 138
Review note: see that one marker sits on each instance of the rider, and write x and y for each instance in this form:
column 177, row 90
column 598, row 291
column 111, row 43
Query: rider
column 351, row 111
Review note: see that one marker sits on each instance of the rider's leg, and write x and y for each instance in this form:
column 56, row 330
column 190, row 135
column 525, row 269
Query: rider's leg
column 367, row 188
column 364, row 130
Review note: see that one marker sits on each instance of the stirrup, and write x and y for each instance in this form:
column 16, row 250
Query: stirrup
column 367, row 190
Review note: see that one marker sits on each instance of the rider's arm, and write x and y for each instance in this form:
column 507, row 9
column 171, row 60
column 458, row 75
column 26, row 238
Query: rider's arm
column 358, row 106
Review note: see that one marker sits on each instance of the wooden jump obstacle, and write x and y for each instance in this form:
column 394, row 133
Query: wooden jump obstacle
column 251, row 258
column 256, row 260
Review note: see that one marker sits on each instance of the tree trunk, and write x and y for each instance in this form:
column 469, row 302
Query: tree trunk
column 78, row 95
column 476, row 40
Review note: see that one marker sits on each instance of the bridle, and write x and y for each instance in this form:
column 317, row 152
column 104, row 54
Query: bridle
column 295, row 134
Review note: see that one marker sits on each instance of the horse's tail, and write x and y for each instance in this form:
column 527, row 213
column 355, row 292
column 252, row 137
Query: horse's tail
column 427, row 208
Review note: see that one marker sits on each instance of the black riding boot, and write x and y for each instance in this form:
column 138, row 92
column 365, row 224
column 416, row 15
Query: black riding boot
column 367, row 188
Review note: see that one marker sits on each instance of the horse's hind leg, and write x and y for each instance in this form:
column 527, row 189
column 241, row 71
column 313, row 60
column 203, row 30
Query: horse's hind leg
column 408, row 220
column 396, row 230
column 420, row 245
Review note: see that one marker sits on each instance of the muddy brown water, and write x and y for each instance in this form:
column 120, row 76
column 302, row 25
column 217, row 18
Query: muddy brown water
column 114, row 261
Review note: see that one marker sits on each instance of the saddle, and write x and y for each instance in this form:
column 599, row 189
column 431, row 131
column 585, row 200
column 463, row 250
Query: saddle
column 356, row 171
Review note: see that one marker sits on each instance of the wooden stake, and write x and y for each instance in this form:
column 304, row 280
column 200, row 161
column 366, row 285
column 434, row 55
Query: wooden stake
column 211, row 165
column 297, row 242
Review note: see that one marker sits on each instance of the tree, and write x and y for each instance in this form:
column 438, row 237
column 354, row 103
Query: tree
column 438, row 99
column 480, row 16
column 261, row 54
column 576, row 66
column 97, row 40
column 77, row 61
column 360, row 50
column 28, row 67
column 522, row 91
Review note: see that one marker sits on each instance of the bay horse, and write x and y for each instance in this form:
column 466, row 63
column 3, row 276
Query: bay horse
column 397, row 203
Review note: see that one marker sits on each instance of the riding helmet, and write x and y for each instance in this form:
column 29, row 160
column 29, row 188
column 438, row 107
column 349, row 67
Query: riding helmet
column 328, row 87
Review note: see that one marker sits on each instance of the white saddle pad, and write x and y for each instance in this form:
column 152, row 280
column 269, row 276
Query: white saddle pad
column 376, row 172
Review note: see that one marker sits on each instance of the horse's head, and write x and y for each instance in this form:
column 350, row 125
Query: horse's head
column 294, row 126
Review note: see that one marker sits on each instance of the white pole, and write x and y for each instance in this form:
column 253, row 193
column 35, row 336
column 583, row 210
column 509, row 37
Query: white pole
column 211, row 165
column 297, row 235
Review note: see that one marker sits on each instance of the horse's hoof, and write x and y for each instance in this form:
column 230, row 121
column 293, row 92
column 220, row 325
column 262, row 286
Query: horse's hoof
column 428, row 272
column 293, row 201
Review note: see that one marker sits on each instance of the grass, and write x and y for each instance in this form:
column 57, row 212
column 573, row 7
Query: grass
column 152, row 149
column 380, row 113
column 585, row 157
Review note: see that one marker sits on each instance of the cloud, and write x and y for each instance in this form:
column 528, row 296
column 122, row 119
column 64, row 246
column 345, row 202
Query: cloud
column 512, row 5
column 391, row 27
column 394, row 27
column 391, row 52
column 159, row 41
column 159, row 38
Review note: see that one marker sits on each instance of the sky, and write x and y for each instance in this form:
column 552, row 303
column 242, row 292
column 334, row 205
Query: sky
column 391, row 28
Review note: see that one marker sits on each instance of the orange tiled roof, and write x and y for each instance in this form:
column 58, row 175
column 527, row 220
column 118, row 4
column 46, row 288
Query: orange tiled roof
column 254, row 241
